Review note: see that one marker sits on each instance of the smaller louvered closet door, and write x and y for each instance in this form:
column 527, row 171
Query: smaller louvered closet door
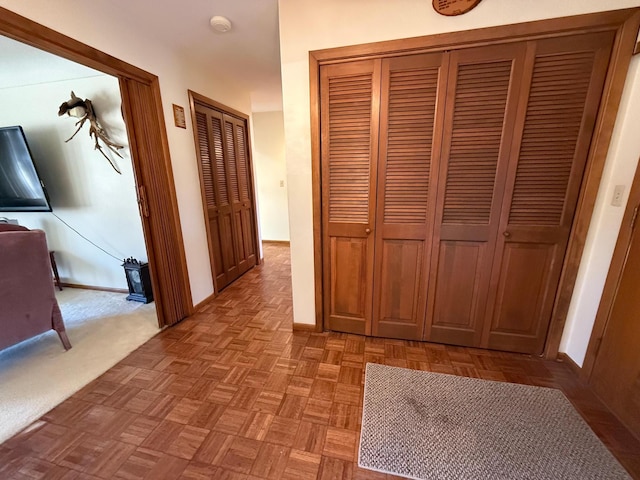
column 225, row 174
column 412, row 87
column 349, row 129
column 482, row 99
column 561, row 92
column 240, row 188
column 214, row 182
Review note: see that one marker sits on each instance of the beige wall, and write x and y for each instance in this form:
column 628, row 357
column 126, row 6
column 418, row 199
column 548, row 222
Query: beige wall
column 83, row 188
column 271, row 173
column 310, row 25
column 99, row 25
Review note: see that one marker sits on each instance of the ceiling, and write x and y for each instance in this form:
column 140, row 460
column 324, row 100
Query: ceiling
column 248, row 55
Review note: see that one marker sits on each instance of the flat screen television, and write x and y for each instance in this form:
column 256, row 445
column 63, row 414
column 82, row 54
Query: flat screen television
column 21, row 189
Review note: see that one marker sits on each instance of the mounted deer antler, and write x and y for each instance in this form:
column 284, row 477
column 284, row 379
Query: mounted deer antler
column 83, row 109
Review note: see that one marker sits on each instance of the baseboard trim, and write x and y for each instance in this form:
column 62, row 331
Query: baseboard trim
column 304, row 327
column 286, row 243
column 573, row 366
column 93, row 287
column 201, row 304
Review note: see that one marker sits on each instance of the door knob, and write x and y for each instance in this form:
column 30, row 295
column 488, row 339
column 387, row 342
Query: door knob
column 507, row 234
column 367, row 231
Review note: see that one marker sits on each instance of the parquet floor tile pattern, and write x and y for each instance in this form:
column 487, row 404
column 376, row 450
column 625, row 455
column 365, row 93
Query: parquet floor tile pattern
column 232, row 393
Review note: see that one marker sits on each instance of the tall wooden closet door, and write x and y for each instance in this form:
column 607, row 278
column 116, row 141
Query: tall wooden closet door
column 482, row 93
column 214, row 184
column 349, row 135
column 240, row 192
column 564, row 83
column 412, row 86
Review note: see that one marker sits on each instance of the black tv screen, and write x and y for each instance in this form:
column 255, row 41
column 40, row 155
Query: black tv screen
column 21, row 189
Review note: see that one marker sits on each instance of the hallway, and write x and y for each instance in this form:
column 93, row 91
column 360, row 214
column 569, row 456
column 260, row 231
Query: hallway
column 232, row 393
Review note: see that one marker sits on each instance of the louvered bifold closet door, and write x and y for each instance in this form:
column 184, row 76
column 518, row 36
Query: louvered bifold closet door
column 411, row 88
column 349, row 137
column 563, row 85
column 482, row 93
column 246, row 193
column 236, row 154
column 213, row 171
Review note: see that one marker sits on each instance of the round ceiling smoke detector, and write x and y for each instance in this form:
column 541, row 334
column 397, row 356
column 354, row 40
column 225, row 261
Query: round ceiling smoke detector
column 220, row 24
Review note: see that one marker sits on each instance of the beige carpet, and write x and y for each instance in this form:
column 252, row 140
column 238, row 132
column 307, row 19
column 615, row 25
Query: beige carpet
column 38, row 374
column 426, row 425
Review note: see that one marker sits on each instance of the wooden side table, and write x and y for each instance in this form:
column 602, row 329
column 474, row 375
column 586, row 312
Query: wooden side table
column 54, row 267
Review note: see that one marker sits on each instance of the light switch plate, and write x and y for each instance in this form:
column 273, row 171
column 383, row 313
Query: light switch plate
column 618, row 192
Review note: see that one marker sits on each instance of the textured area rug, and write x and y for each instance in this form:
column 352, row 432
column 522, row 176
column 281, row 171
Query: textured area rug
column 427, row 426
column 38, row 374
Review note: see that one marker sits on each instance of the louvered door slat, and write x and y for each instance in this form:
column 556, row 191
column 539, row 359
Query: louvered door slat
column 205, row 159
column 221, row 171
column 409, row 142
column 243, row 170
column 350, row 147
column 478, row 118
column 534, row 202
column 232, row 166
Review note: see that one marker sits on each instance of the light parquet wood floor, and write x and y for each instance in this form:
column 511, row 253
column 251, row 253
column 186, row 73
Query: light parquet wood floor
column 232, row 393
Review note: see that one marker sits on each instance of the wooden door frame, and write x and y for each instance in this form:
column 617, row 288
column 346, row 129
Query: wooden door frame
column 625, row 23
column 152, row 171
column 206, row 101
column 614, row 277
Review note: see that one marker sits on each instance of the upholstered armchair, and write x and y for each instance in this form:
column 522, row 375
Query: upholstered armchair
column 28, row 306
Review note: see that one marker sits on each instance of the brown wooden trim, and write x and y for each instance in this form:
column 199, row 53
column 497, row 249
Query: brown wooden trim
column 93, row 287
column 141, row 105
column 201, row 304
column 568, row 361
column 316, row 187
column 209, row 102
column 618, row 65
column 625, row 22
column 555, row 27
column 168, row 202
column 27, row 31
column 286, row 243
column 636, row 50
column 614, row 276
column 149, row 153
column 305, row 327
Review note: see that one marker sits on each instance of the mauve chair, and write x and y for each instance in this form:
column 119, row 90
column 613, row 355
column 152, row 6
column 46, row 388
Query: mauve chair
column 28, row 305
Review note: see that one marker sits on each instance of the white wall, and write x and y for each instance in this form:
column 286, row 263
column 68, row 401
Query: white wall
column 270, row 170
column 310, row 25
column 101, row 26
column 83, row 188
